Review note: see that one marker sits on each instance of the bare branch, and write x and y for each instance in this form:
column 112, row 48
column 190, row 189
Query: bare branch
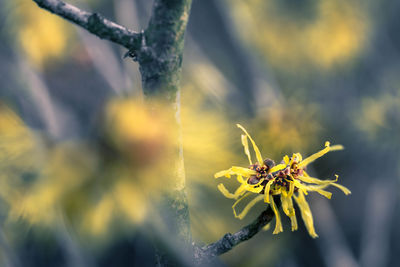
column 94, row 23
column 229, row 241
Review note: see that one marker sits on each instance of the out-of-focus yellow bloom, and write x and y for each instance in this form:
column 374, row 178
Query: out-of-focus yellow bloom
column 272, row 131
column 41, row 35
column 319, row 33
column 378, row 118
column 287, row 179
column 96, row 185
column 142, row 132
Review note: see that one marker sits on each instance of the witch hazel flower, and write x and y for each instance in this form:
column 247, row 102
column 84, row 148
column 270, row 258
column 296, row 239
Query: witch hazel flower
column 263, row 179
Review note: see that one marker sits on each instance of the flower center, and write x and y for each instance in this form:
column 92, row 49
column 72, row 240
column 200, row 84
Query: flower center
column 282, row 177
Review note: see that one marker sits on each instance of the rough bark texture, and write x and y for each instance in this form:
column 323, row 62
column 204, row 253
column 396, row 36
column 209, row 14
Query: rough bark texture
column 160, row 57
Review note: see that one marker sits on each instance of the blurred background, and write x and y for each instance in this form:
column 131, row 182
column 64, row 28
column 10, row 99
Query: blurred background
column 81, row 154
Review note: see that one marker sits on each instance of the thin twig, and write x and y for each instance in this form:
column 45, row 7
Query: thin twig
column 229, row 241
column 94, row 23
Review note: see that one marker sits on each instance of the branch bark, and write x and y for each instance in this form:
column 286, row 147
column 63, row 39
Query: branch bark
column 160, row 58
column 94, row 23
column 229, row 241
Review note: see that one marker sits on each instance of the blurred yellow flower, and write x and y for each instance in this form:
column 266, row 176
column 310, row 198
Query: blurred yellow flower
column 377, row 118
column 289, row 35
column 142, row 132
column 94, row 183
column 41, row 35
column 271, row 126
column 288, row 179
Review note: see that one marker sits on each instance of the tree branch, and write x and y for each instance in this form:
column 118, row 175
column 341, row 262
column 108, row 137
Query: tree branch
column 94, row 23
column 161, row 55
column 229, row 241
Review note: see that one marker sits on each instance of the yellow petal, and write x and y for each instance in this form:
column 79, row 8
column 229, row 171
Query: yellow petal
column 301, row 186
column 246, row 172
column 266, row 227
column 225, row 191
column 278, row 223
column 285, row 204
column 326, row 194
column 291, row 188
column 276, row 191
column 256, row 150
column 292, row 213
column 286, row 159
column 255, row 189
column 319, row 154
column 308, row 179
column 259, row 182
column 267, row 188
column 299, row 157
column 226, row 173
column 245, row 144
column 336, row 148
column 237, row 202
column 249, row 206
column 345, row 190
column 288, row 209
column 240, row 179
column 277, row 168
column 306, row 213
column 241, row 189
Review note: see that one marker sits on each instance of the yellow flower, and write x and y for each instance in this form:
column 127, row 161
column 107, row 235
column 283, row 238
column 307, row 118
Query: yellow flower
column 288, row 179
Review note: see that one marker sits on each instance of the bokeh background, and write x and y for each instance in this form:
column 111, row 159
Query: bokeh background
column 81, row 155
